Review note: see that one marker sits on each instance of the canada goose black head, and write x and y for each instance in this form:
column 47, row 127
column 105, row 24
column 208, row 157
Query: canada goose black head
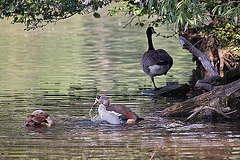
column 150, row 31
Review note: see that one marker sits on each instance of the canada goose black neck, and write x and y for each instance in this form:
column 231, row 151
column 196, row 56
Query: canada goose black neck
column 149, row 33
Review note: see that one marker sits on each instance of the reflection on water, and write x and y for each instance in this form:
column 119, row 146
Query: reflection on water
column 62, row 68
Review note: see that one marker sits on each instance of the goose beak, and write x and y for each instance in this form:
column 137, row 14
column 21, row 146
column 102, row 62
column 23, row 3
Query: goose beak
column 95, row 102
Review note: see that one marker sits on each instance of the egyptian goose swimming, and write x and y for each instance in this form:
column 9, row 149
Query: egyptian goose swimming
column 155, row 62
column 39, row 119
column 115, row 113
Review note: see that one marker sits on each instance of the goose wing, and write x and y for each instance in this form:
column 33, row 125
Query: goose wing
column 123, row 110
column 28, row 120
column 155, row 57
column 32, row 120
column 39, row 120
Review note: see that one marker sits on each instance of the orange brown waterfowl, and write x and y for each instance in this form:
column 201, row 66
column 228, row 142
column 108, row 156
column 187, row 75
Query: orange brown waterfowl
column 115, row 113
column 39, row 119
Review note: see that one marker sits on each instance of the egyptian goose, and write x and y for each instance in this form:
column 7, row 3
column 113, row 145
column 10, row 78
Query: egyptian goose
column 115, row 113
column 155, row 62
column 39, row 119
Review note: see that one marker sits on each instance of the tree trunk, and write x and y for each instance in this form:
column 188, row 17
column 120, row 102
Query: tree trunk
column 206, row 62
column 222, row 96
column 223, row 99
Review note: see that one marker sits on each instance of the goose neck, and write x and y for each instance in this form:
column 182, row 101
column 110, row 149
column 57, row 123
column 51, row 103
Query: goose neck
column 102, row 106
column 150, row 43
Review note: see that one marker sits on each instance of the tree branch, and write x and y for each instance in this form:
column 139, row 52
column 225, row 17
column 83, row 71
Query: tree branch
column 206, row 62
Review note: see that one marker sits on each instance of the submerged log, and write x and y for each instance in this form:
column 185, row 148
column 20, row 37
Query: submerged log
column 171, row 89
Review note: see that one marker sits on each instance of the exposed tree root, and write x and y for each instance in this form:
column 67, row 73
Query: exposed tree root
column 205, row 108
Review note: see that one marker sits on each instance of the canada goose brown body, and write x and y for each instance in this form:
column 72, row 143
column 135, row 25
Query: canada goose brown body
column 155, row 62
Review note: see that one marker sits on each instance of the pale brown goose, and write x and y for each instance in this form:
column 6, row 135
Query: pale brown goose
column 155, row 62
column 115, row 113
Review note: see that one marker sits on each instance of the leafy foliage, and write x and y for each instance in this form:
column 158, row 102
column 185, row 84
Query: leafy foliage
column 37, row 13
column 222, row 31
column 182, row 13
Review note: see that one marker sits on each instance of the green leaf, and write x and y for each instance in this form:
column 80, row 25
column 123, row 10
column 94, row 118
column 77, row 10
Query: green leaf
column 15, row 19
column 225, row 13
column 179, row 5
column 138, row 12
column 96, row 15
column 235, row 17
column 186, row 26
column 150, row 3
column 11, row 7
column 215, row 9
column 180, row 17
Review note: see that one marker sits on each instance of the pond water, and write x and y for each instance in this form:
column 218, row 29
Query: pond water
column 62, row 68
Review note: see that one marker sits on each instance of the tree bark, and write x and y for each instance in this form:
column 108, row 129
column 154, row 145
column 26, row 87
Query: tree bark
column 223, row 99
column 206, row 62
column 221, row 96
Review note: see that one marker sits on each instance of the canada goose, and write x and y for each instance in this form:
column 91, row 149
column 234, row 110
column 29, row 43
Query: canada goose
column 115, row 113
column 39, row 119
column 155, row 62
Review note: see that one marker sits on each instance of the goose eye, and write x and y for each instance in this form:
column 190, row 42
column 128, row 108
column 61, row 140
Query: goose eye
column 98, row 97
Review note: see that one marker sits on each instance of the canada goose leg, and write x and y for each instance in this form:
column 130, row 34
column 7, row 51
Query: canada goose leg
column 153, row 82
